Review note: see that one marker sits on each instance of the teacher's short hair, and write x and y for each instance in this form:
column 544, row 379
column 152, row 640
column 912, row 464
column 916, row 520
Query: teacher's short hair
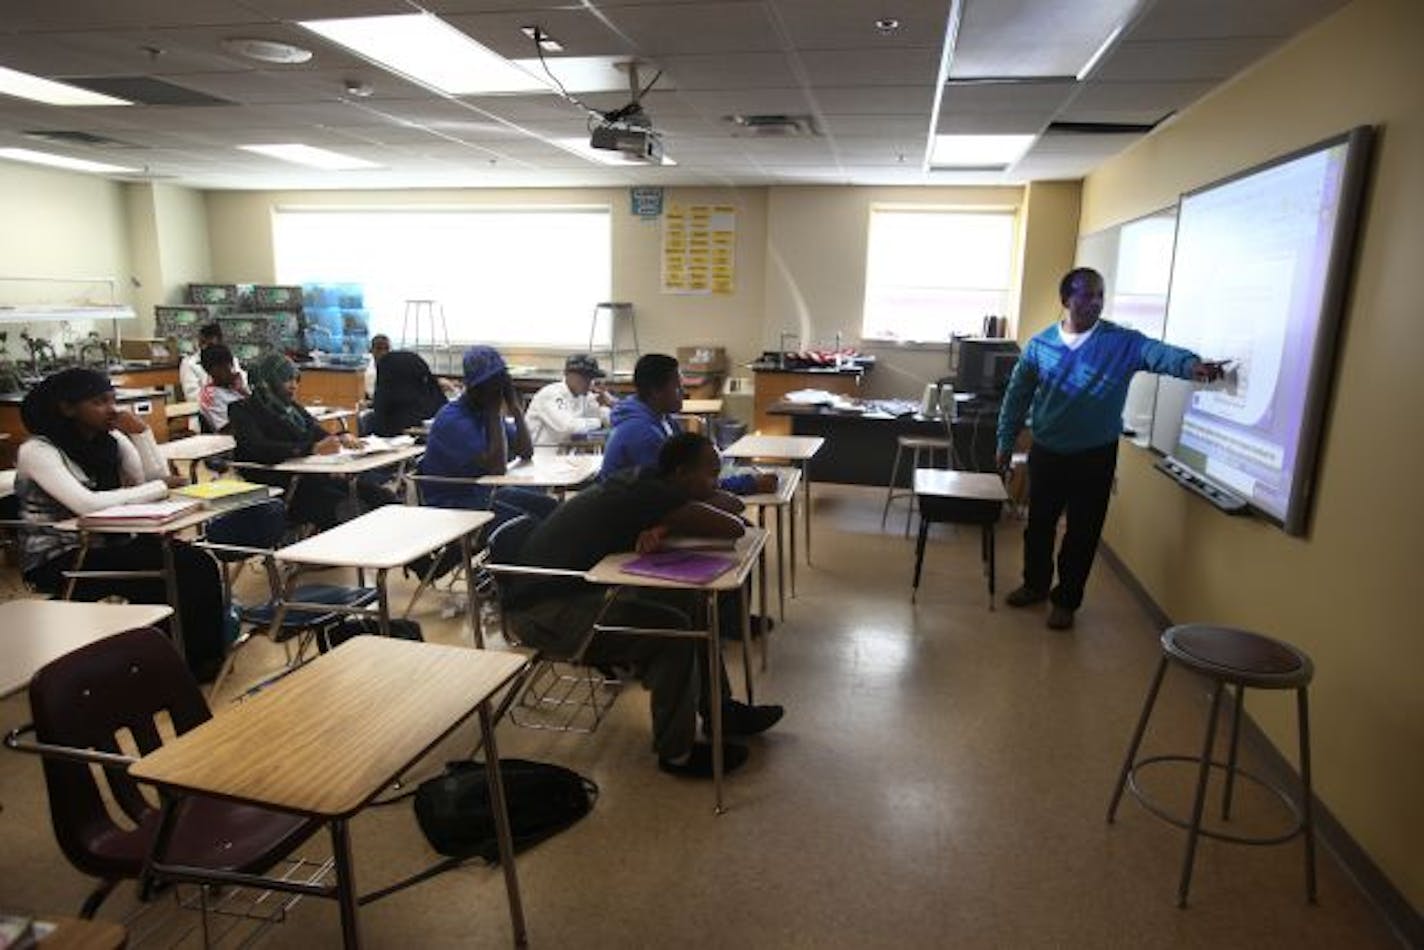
column 1065, row 286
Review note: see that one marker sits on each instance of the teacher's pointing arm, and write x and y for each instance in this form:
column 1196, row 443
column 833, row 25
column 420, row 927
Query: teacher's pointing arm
column 1017, row 398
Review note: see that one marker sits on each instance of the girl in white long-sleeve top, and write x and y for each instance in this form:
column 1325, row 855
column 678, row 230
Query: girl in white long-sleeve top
column 84, row 454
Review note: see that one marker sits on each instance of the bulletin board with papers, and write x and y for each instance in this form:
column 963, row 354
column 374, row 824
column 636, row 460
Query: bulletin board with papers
column 699, row 249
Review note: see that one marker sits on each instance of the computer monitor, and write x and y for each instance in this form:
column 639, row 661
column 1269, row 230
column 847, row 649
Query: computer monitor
column 982, row 365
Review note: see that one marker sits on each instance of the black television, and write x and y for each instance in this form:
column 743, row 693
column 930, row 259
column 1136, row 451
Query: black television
column 981, row 365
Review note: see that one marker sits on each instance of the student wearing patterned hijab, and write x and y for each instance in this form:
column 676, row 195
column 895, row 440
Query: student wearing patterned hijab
column 85, row 454
column 270, row 427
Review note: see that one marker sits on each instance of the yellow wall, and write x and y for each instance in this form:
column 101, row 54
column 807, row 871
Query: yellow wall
column 1349, row 593
column 1051, row 209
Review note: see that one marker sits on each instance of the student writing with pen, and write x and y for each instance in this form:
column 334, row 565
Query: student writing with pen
column 1074, row 377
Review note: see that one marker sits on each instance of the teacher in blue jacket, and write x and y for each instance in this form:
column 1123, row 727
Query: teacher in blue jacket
column 1072, row 381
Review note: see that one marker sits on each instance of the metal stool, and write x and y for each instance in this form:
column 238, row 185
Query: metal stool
column 917, row 444
column 1224, row 655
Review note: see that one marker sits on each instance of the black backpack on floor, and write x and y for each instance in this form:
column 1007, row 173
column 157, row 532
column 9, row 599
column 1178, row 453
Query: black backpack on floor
column 454, row 808
column 343, row 630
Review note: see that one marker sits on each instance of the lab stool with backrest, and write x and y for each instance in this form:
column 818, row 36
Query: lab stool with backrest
column 1225, row 656
column 920, row 446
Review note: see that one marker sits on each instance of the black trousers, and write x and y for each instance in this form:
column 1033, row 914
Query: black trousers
column 199, row 584
column 1079, row 485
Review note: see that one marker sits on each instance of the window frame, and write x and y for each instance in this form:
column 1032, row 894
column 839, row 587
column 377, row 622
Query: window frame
column 460, row 337
column 1012, row 211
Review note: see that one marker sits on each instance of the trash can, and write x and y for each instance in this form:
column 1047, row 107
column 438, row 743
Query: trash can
column 727, row 431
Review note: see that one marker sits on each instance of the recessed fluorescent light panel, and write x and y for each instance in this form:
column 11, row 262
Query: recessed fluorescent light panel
column 61, row 161
column 978, row 151
column 603, row 156
column 427, row 50
column 1034, row 38
column 37, row 89
column 311, row 156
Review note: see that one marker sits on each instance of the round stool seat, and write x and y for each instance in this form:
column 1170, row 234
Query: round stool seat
column 1238, row 656
column 922, row 442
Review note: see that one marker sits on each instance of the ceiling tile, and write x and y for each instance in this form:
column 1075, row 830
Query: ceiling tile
column 864, row 67
column 1032, row 37
column 1144, row 102
column 850, row 24
column 579, row 32
column 1215, row 19
column 729, row 71
column 670, row 29
column 877, row 100
column 1183, row 60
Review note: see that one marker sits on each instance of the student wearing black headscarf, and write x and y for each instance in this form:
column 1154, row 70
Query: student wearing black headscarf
column 407, row 394
column 85, row 454
column 269, row 426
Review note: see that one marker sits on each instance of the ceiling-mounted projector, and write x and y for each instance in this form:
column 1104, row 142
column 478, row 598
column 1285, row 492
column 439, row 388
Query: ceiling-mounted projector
column 639, row 145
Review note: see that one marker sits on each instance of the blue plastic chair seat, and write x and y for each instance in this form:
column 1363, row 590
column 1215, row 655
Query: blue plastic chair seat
column 338, row 596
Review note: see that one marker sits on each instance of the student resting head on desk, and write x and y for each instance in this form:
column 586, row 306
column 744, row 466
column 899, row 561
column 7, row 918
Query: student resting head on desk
column 643, row 423
column 85, row 454
column 573, row 407
column 270, row 427
column 406, row 394
column 636, row 510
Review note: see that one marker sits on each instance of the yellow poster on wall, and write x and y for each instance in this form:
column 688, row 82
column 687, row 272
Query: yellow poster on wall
column 699, row 249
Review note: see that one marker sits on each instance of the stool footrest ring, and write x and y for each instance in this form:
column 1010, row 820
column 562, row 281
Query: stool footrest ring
column 1156, row 809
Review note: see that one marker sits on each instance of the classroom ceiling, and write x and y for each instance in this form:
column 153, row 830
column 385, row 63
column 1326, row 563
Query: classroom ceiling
column 867, row 82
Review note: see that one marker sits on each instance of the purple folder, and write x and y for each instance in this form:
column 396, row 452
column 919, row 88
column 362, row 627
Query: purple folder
column 688, row 567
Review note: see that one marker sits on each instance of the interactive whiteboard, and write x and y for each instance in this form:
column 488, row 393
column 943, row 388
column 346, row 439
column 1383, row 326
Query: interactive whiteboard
column 1259, row 274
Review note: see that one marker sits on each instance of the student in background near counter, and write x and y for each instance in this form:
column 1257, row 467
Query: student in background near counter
column 270, row 427
column 85, row 454
column 1075, row 376
column 380, row 346
column 574, row 407
column 644, row 422
column 191, row 375
column 406, row 394
column 224, row 387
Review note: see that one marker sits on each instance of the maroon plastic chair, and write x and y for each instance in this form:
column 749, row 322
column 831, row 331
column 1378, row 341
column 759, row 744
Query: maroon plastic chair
column 80, row 702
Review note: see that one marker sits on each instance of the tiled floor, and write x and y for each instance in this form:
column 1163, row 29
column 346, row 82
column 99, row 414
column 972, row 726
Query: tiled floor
column 940, row 779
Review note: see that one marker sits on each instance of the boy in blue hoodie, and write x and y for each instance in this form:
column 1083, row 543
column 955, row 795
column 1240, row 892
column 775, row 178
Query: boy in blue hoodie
column 643, row 423
column 1075, row 375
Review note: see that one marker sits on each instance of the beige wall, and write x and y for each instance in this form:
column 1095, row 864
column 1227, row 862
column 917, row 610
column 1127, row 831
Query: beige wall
column 800, row 259
column 181, row 225
column 815, row 272
column 1347, row 594
column 61, row 224
column 240, row 235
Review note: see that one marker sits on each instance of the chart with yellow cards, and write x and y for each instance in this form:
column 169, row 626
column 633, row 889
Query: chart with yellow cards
column 699, row 249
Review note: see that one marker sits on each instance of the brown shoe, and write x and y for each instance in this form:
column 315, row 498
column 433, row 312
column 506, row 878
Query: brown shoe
column 1060, row 618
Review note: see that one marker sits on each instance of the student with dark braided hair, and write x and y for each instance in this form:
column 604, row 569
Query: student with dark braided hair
column 85, row 454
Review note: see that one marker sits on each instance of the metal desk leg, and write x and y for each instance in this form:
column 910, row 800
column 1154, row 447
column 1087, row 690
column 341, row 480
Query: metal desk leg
column 70, row 582
column 806, row 480
column 781, row 557
column 791, row 519
column 345, row 883
column 919, row 555
column 170, row 584
column 746, row 611
column 501, row 824
column 714, row 701
column 989, row 545
column 761, row 569
column 472, row 608
column 383, row 603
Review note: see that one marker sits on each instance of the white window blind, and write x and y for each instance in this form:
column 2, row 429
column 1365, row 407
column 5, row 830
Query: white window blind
column 932, row 273
column 505, row 276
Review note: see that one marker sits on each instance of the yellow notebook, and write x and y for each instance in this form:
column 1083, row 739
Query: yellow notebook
column 223, row 493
